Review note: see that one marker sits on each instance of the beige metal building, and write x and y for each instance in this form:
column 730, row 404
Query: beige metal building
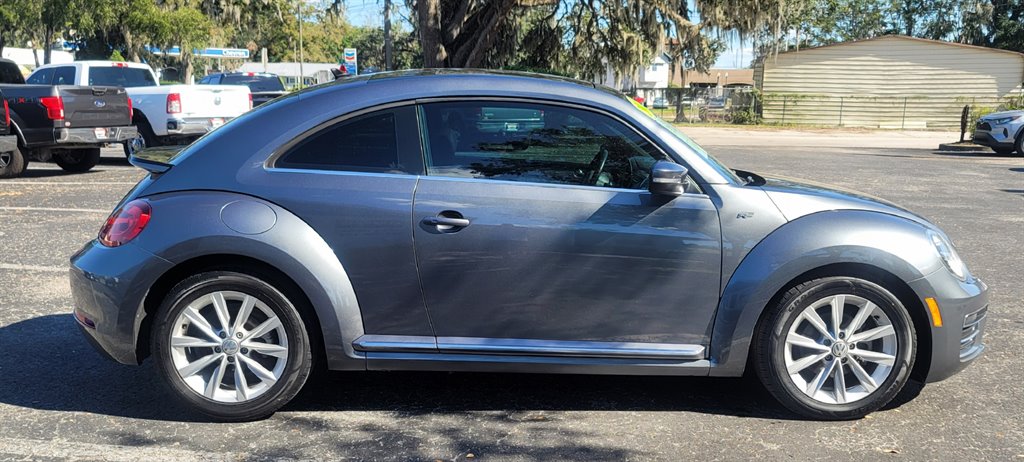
column 887, row 82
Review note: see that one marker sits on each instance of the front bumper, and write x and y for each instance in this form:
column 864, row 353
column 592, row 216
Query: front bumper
column 109, row 286
column 963, row 307
column 999, row 136
column 8, row 143
column 194, row 126
column 95, row 135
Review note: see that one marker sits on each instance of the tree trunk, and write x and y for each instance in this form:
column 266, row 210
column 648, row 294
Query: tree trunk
column 429, row 14
column 186, row 60
column 46, row 44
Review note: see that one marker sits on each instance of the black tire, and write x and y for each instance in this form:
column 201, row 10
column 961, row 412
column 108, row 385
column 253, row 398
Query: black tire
column 1020, row 143
column 146, row 138
column 12, row 164
column 78, row 160
column 298, row 361
column 770, row 342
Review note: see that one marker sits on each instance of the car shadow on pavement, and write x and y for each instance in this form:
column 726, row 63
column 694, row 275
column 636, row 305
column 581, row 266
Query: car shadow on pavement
column 48, row 365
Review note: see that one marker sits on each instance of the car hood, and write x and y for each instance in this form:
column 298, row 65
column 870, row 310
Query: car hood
column 796, row 198
column 1000, row 115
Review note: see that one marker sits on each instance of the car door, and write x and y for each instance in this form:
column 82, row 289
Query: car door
column 535, row 233
column 352, row 181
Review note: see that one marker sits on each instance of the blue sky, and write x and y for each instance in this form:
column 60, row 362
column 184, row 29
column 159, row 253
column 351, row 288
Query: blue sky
column 369, row 12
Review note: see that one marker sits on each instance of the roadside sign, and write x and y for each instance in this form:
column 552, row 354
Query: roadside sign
column 350, row 61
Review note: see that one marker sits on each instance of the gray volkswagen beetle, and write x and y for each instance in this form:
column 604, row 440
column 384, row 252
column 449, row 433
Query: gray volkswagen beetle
column 482, row 221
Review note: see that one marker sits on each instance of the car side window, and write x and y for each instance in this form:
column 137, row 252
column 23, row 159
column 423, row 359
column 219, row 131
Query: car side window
column 384, row 141
column 537, row 143
column 64, row 75
column 41, row 77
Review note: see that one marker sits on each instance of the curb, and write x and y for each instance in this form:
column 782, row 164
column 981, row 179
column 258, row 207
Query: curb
column 963, row 147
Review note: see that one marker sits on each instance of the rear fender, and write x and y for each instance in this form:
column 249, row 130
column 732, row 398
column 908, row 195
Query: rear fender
column 188, row 225
column 887, row 242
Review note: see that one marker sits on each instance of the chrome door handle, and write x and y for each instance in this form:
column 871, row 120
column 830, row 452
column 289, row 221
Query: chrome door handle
column 446, row 221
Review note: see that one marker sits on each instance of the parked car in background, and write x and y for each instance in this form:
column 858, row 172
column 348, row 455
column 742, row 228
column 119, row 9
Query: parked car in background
column 263, row 86
column 164, row 114
column 1001, row 131
column 11, row 163
column 369, row 224
column 660, row 103
column 56, row 119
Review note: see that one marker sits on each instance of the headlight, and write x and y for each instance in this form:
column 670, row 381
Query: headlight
column 1005, row 120
column 949, row 255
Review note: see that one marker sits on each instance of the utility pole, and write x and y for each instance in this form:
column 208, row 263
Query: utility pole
column 387, row 36
column 302, row 76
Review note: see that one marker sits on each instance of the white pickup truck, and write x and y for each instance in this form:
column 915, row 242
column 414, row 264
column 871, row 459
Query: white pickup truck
column 164, row 114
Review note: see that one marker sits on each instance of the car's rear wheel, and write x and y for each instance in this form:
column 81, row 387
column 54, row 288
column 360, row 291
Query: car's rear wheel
column 835, row 348
column 78, row 160
column 230, row 345
column 12, row 164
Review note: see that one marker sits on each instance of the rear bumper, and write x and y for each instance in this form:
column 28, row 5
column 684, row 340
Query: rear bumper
column 94, row 136
column 193, row 126
column 963, row 307
column 8, row 143
column 109, row 286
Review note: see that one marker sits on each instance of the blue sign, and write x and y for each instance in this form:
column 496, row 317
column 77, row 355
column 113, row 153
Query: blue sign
column 237, row 53
column 350, row 61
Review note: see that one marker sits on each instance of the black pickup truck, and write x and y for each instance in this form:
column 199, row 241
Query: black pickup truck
column 8, row 143
column 64, row 123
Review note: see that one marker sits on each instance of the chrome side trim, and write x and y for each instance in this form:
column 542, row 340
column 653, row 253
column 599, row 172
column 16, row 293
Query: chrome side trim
column 527, row 347
column 395, row 343
column 568, row 348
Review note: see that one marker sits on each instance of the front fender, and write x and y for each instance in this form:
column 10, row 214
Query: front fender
column 188, row 225
column 890, row 243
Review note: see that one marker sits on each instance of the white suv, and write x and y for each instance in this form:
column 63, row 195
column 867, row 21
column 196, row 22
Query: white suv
column 1001, row 131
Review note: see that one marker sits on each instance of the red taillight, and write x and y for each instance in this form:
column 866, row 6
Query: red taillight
column 7, row 114
column 173, row 103
column 129, row 108
column 54, row 107
column 125, row 223
column 250, row 100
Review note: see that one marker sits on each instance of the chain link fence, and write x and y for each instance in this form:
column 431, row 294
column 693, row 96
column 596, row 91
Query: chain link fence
column 749, row 106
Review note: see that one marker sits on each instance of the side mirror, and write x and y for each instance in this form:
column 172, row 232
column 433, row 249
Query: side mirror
column 667, row 178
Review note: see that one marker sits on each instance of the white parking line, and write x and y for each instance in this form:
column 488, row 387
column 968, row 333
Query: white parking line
column 18, row 448
column 47, row 269
column 52, row 209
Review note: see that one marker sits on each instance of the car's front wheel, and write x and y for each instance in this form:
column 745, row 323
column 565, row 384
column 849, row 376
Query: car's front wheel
column 230, row 345
column 835, row 348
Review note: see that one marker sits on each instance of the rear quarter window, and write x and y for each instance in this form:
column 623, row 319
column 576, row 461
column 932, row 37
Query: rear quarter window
column 379, row 142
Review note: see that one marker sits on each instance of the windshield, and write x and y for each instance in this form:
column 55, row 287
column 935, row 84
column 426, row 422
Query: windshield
column 118, row 76
column 256, row 83
column 711, row 160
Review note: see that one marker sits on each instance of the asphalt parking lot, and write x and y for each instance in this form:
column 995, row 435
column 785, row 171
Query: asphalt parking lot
column 59, row 399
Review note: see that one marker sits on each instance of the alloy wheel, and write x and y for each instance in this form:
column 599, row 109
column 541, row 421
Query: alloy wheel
column 840, row 349
column 5, row 159
column 229, row 347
